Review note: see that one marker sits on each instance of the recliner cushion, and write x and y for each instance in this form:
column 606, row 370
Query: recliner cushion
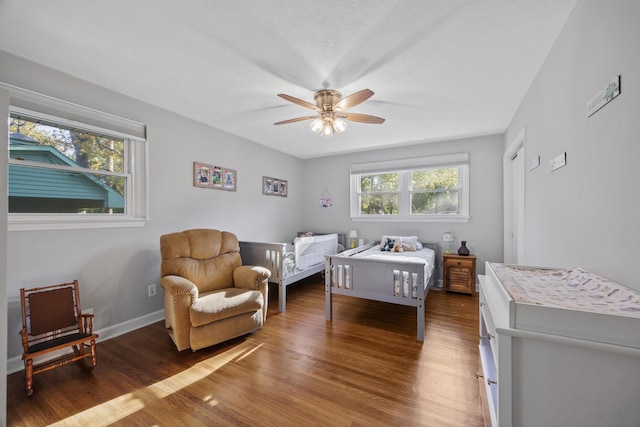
column 205, row 257
column 224, row 303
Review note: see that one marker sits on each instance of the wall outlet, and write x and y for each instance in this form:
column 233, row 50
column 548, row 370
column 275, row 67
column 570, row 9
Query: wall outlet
column 152, row 290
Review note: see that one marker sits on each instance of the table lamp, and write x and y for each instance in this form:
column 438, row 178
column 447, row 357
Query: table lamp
column 353, row 235
column 447, row 237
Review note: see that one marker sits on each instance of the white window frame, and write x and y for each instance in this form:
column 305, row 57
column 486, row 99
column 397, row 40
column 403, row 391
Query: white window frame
column 404, row 167
column 38, row 106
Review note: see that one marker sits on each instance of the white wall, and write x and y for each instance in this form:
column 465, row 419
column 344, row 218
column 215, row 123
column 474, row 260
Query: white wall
column 114, row 266
column 586, row 213
column 483, row 232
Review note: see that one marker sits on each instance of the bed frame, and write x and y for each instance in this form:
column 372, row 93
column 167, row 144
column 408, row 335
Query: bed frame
column 271, row 255
column 374, row 280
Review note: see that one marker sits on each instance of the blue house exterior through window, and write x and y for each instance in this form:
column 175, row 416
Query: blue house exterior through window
column 47, row 190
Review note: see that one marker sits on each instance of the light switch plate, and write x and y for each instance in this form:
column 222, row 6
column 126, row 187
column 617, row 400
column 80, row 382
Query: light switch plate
column 534, row 163
column 558, row 161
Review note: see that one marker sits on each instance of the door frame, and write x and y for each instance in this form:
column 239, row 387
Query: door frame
column 508, row 203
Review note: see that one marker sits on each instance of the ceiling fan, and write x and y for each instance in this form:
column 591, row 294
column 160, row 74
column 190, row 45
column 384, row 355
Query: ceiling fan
column 332, row 111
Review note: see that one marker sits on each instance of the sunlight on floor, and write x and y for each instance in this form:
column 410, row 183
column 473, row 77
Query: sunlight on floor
column 121, row 407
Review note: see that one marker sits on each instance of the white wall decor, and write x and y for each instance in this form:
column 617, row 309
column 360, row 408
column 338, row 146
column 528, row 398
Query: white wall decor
column 325, row 199
column 602, row 98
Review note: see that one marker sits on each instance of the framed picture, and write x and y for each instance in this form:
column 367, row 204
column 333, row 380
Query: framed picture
column 274, row 186
column 217, row 177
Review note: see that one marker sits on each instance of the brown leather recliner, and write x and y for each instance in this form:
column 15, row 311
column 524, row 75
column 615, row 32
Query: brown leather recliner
column 209, row 296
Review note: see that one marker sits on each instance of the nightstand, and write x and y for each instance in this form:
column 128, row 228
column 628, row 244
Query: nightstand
column 459, row 273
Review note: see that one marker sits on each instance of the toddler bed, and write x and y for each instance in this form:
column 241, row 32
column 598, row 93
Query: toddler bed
column 290, row 262
column 397, row 277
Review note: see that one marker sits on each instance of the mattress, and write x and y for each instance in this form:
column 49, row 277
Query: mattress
column 424, row 256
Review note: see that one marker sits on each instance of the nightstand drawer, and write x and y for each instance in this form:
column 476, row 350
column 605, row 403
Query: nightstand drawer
column 460, row 263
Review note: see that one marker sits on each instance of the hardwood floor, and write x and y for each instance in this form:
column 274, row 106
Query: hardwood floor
column 365, row 368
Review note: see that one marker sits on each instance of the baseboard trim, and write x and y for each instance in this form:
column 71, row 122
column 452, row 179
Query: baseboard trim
column 15, row 364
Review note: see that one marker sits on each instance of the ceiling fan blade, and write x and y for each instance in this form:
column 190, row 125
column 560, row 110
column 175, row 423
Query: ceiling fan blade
column 353, row 100
column 298, row 101
column 297, row 119
column 362, row 118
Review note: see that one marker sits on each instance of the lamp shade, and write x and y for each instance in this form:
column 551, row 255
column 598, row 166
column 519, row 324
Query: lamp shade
column 447, row 236
column 316, row 125
column 353, row 234
column 339, row 125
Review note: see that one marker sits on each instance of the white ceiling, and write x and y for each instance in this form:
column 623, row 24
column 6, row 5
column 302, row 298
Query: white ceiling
column 440, row 69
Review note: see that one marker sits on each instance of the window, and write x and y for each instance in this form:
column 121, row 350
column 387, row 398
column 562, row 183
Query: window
column 76, row 168
column 379, row 194
column 421, row 189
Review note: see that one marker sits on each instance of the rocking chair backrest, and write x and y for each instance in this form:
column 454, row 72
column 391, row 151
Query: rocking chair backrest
column 52, row 309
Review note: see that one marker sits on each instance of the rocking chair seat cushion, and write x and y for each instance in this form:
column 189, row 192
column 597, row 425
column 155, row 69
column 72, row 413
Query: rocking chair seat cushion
column 64, row 340
column 224, row 303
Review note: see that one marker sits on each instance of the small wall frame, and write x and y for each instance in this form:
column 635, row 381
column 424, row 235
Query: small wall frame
column 274, row 186
column 216, row 177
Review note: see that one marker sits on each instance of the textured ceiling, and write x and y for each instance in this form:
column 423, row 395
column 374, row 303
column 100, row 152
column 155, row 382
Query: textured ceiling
column 440, row 69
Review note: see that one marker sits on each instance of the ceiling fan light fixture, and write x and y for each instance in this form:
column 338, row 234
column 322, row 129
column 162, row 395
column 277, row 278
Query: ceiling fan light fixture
column 331, row 111
column 339, row 125
column 316, row 125
column 327, row 129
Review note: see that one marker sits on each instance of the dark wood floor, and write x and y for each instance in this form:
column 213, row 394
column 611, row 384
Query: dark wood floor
column 364, row 368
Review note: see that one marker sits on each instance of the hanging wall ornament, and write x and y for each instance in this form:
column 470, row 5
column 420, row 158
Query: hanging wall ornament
column 325, row 199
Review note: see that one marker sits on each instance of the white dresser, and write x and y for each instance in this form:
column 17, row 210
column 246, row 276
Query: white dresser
column 558, row 357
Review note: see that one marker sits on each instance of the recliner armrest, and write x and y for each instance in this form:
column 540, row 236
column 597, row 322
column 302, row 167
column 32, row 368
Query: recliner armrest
column 176, row 285
column 250, row 277
column 179, row 295
column 256, row 278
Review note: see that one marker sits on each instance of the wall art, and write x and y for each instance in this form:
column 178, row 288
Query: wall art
column 602, row 98
column 216, row 177
column 274, row 186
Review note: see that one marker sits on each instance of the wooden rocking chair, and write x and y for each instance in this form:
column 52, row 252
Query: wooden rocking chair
column 53, row 321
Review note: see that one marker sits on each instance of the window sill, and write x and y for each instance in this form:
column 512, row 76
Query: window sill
column 36, row 223
column 393, row 218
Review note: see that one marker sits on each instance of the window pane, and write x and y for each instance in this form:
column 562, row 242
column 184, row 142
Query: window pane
column 379, row 204
column 40, row 190
column 50, row 143
column 379, row 182
column 445, row 202
column 435, row 179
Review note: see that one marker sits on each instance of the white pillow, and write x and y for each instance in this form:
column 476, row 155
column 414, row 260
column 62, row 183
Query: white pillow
column 408, row 242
